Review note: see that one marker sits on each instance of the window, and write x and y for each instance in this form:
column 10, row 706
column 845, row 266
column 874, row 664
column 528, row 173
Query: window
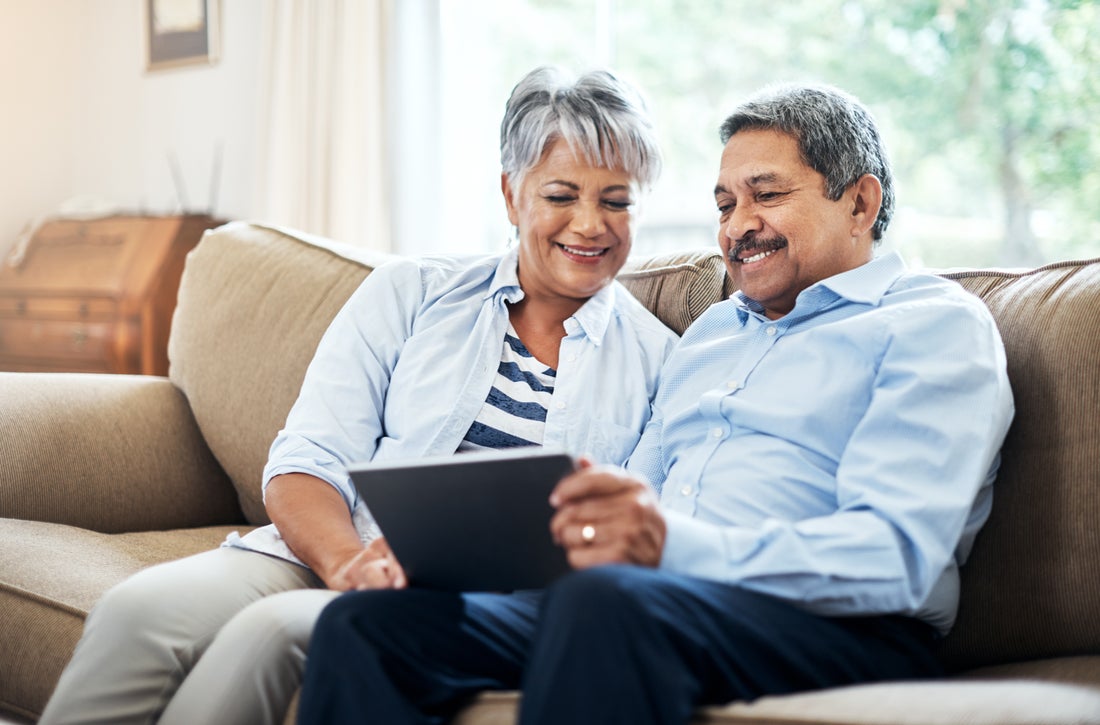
column 988, row 109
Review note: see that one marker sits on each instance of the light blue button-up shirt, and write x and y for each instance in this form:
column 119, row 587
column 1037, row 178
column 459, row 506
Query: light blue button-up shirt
column 406, row 365
column 840, row 457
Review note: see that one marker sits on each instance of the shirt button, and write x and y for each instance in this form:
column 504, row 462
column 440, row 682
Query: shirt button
column 560, row 405
column 771, row 332
column 733, row 385
column 717, row 432
column 685, row 491
column 571, row 358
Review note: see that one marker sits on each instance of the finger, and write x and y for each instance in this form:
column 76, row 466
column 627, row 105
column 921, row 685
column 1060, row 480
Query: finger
column 590, row 482
column 378, row 548
column 573, row 517
column 375, row 575
column 398, row 579
column 636, row 536
column 630, row 503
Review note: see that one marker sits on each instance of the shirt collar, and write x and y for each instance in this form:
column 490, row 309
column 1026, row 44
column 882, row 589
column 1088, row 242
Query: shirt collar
column 593, row 318
column 866, row 284
column 506, row 278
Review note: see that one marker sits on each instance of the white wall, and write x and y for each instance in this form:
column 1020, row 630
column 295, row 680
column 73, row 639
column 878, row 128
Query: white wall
column 81, row 117
column 38, row 52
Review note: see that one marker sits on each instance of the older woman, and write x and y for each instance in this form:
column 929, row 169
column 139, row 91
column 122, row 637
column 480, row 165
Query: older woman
column 538, row 345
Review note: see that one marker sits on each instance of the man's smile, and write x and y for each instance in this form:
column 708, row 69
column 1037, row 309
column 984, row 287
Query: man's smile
column 750, row 249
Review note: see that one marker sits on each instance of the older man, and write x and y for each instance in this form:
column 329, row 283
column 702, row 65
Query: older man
column 823, row 445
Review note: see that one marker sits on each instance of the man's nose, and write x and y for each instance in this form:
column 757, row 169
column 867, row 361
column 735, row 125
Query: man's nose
column 742, row 220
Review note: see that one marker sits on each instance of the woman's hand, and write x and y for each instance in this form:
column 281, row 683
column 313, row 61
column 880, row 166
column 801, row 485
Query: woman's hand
column 606, row 516
column 372, row 567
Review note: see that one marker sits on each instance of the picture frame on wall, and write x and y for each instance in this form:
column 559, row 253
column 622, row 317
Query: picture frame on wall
column 181, row 32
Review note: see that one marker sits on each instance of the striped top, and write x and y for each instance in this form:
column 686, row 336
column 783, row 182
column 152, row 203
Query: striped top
column 514, row 414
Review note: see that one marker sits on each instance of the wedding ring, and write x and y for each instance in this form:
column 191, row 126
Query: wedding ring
column 588, row 533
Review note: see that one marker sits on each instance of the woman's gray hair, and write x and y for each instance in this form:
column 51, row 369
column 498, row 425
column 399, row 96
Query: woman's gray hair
column 601, row 117
column 836, row 135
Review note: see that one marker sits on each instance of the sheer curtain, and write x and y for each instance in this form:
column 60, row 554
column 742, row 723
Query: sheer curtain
column 323, row 154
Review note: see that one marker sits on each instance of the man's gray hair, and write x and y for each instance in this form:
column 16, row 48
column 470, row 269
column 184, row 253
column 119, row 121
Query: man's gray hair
column 601, row 117
column 836, row 135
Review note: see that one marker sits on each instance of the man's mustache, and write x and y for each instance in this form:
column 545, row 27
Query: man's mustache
column 752, row 243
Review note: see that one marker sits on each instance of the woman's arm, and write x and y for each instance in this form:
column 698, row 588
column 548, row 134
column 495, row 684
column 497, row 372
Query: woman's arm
column 315, row 523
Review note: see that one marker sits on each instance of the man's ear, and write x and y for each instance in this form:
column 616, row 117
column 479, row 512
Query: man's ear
column 866, row 196
column 509, row 199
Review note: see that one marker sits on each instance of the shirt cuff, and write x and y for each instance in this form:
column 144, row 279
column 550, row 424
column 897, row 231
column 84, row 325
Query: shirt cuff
column 693, row 547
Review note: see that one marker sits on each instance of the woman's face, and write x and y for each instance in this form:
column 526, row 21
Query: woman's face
column 575, row 222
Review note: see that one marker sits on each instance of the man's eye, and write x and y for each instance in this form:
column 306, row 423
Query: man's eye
column 724, row 209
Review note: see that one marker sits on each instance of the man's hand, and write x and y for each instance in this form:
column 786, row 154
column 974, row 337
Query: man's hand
column 605, row 516
column 372, row 567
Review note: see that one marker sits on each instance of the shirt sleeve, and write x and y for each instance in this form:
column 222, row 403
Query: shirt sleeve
column 647, row 460
column 338, row 416
column 912, row 484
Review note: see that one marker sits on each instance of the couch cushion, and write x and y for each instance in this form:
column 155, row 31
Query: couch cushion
column 51, row 576
column 1016, row 702
column 253, row 304
column 142, row 460
column 1032, row 586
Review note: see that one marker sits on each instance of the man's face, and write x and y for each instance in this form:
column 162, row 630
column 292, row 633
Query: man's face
column 778, row 231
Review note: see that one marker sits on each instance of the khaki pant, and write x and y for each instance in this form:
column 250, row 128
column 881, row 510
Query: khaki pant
column 217, row 637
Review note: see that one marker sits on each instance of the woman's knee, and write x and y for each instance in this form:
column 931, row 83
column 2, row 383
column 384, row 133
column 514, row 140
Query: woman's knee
column 134, row 602
column 276, row 623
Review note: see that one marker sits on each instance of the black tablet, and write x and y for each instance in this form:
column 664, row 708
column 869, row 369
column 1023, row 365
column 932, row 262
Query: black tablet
column 475, row 521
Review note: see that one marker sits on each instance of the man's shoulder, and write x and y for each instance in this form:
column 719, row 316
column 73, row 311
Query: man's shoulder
column 924, row 299
column 928, row 289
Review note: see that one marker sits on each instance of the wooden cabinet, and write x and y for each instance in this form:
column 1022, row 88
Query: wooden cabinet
column 95, row 296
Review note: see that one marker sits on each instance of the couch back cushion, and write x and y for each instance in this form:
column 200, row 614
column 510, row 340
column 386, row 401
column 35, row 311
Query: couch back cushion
column 1031, row 588
column 255, row 300
column 253, row 304
column 677, row 287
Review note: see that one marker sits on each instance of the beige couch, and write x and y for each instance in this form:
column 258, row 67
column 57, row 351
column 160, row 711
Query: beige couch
column 103, row 475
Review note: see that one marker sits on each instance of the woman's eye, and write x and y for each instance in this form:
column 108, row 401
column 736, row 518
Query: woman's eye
column 558, row 199
column 618, row 204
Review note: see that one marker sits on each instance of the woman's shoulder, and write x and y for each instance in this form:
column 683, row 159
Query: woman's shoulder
column 433, row 273
column 449, row 269
column 628, row 308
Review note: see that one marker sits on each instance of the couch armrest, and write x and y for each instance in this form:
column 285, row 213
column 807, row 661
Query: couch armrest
column 111, row 453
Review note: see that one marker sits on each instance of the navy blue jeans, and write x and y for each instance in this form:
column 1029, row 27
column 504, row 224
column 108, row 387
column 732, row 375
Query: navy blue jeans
column 615, row 644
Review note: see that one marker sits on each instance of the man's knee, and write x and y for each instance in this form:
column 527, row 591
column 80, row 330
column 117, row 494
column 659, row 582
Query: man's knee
column 610, row 592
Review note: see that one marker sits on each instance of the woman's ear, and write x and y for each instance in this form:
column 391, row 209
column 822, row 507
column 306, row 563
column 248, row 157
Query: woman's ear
column 509, row 199
column 866, row 196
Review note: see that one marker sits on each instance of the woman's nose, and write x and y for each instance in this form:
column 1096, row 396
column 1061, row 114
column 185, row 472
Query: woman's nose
column 588, row 221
